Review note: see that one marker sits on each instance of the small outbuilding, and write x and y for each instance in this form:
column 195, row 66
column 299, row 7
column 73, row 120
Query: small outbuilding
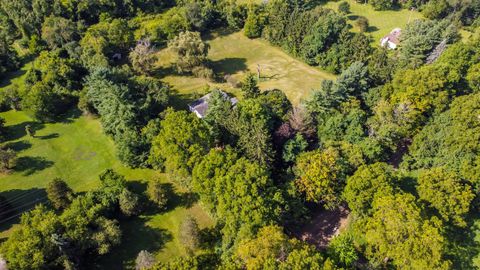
column 392, row 40
column 200, row 106
column 3, row 264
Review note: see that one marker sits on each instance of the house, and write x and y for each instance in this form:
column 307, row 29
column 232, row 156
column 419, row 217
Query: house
column 3, row 264
column 391, row 40
column 200, row 106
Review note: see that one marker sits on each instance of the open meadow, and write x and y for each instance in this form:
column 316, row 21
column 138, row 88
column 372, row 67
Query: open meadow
column 234, row 54
column 76, row 150
column 381, row 22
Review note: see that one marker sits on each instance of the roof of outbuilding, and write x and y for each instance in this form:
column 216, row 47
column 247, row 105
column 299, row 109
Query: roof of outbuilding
column 394, row 36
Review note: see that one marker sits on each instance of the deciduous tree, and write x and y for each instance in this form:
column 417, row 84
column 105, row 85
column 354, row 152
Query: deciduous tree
column 399, row 232
column 190, row 51
column 129, row 203
column 444, row 191
column 145, row 260
column 157, row 194
column 367, row 183
column 183, row 140
column 190, row 234
column 59, row 193
column 320, row 176
column 143, row 57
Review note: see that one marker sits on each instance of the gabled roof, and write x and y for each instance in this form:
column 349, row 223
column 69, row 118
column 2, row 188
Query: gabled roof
column 200, row 106
column 394, row 36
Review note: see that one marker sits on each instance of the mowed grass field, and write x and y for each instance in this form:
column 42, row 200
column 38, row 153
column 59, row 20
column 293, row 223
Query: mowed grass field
column 234, row 54
column 77, row 151
column 381, row 22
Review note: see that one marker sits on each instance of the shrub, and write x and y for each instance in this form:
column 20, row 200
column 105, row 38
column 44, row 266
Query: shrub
column 129, row 203
column 382, row 4
column 145, row 260
column 344, row 8
column 8, row 159
column 59, row 193
column 203, row 72
column 158, row 194
column 189, row 234
column 362, row 24
column 254, row 23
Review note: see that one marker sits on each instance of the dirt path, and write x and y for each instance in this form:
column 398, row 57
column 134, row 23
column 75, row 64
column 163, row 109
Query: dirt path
column 323, row 227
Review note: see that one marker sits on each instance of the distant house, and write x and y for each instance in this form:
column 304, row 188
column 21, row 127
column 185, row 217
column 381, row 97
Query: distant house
column 391, row 40
column 200, row 106
column 3, row 264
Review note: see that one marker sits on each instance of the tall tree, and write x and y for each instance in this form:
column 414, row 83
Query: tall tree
column 30, row 246
column 59, row 193
column 183, row 140
column 444, row 191
column 250, row 86
column 143, row 57
column 189, row 234
column 397, row 231
column 451, row 141
column 320, row 175
column 367, row 183
column 239, row 192
column 272, row 248
column 252, row 122
column 190, row 51
column 58, row 31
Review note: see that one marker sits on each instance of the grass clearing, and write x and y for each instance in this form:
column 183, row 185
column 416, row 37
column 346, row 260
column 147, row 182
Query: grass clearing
column 381, row 22
column 77, row 151
column 234, row 54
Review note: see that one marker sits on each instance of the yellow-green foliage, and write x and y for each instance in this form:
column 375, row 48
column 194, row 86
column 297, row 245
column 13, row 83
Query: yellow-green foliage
column 161, row 27
column 320, row 176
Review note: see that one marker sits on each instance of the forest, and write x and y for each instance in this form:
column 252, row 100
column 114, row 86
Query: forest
column 105, row 162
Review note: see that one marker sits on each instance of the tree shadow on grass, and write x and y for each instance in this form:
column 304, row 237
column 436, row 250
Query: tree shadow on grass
column 180, row 101
column 11, row 76
column 48, row 137
column 185, row 199
column 162, row 72
column 228, row 66
column 352, row 17
column 30, row 165
column 372, row 29
column 69, row 116
column 19, row 201
column 18, row 146
column 210, row 237
column 136, row 236
column 221, row 32
column 17, row 131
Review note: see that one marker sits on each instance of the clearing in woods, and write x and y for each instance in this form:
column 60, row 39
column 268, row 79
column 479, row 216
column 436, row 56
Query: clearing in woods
column 381, row 22
column 234, row 54
column 76, row 150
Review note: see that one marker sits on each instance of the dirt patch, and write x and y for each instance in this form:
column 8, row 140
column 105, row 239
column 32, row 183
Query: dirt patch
column 81, row 154
column 324, row 225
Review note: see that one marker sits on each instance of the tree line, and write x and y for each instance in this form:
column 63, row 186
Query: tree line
column 394, row 137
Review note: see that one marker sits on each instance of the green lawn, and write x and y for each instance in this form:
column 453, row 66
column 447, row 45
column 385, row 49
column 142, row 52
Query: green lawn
column 15, row 79
column 77, row 151
column 234, row 54
column 381, row 22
